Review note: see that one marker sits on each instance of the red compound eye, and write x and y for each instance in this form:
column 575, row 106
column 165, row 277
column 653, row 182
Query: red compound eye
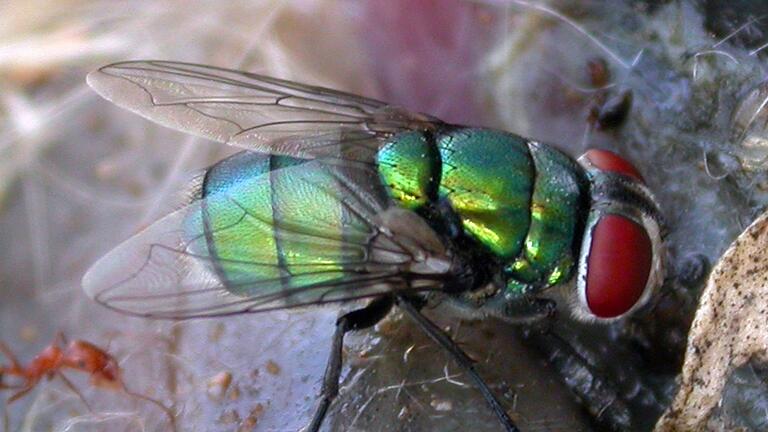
column 611, row 162
column 618, row 266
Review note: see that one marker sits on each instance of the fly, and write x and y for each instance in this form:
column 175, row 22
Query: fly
column 339, row 198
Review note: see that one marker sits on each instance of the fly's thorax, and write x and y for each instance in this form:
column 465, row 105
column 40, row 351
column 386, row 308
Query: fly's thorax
column 485, row 176
column 409, row 167
column 497, row 198
column 559, row 202
column 620, row 261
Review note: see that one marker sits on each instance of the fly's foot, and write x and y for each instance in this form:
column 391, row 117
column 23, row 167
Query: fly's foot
column 594, row 391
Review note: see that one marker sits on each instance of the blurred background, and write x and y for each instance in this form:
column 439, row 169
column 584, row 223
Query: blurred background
column 78, row 175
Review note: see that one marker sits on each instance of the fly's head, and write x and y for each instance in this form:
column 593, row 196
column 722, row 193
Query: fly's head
column 620, row 261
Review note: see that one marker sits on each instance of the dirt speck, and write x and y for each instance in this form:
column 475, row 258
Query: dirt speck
column 272, row 368
column 218, row 384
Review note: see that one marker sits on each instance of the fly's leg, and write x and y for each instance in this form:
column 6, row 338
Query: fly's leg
column 518, row 306
column 596, row 393
column 355, row 320
column 527, row 310
column 445, row 341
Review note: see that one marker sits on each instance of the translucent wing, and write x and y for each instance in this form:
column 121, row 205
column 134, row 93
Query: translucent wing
column 268, row 232
column 252, row 111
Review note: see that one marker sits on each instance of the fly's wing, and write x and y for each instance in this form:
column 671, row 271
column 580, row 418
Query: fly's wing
column 252, row 111
column 295, row 233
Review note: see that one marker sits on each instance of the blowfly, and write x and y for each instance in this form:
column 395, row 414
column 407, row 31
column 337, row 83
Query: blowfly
column 340, row 198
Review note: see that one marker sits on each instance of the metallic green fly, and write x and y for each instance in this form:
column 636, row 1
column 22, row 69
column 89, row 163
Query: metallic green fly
column 340, row 198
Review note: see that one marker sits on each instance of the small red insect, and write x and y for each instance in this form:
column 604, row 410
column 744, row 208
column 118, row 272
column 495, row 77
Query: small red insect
column 77, row 355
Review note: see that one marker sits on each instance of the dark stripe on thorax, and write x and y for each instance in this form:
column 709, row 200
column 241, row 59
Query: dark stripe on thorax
column 437, row 167
column 536, row 170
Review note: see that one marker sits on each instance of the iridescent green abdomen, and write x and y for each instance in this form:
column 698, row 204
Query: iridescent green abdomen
column 522, row 201
column 263, row 224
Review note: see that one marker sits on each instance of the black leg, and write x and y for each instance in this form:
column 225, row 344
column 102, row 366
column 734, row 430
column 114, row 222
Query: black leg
column 442, row 339
column 355, row 320
column 527, row 310
column 596, row 393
